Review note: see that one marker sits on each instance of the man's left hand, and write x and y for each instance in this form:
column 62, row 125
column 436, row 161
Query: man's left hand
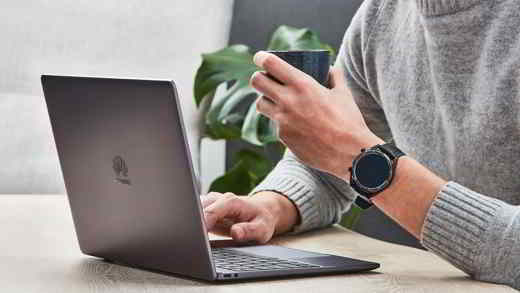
column 323, row 127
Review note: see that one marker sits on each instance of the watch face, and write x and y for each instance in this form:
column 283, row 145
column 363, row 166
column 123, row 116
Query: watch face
column 373, row 170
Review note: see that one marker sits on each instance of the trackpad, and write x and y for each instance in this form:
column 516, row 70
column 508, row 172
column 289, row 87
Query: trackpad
column 276, row 251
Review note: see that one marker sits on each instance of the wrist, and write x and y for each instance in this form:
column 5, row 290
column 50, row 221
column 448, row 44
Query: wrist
column 409, row 197
column 283, row 210
column 352, row 148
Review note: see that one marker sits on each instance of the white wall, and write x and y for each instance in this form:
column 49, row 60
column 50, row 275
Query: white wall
column 131, row 38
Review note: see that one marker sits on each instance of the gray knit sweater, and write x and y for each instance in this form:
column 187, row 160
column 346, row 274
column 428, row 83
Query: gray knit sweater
column 442, row 79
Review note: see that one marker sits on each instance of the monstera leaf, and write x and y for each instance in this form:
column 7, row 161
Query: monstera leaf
column 232, row 68
column 224, row 77
column 228, row 70
column 250, row 168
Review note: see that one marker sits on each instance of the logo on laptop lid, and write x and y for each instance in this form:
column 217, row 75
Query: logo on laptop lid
column 121, row 170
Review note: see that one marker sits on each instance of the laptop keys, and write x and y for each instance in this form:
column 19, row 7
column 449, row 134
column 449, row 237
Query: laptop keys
column 240, row 262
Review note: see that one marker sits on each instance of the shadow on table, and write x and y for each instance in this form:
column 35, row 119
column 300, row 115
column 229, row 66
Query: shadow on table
column 101, row 273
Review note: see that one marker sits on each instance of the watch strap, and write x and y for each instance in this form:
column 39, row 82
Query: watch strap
column 362, row 203
column 391, row 150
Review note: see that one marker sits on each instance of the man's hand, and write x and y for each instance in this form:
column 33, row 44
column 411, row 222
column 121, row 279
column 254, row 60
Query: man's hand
column 326, row 130
column 256, row 218
column 323, row 127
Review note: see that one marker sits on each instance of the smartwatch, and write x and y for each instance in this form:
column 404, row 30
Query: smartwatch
column 372, row 171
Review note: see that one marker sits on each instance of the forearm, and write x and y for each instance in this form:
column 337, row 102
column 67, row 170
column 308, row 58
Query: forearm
column 407, row 200
column 282, row 209
column 409, row 197
column 478, row 234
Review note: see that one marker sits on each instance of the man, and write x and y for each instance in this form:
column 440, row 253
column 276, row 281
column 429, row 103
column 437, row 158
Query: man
column 439, row 78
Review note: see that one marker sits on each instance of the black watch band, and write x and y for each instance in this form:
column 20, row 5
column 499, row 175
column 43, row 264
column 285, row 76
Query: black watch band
column 391, row 150
column 393, row 153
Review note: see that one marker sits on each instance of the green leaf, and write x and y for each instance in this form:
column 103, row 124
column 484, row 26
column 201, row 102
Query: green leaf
column 231, row 68
column 225, row 75
column 350, row 219
column 228, row 64
column 250, row 168
column 258, row 129
column 222, row 122
column 291, row 38
column 258, row 165
column 235, row 180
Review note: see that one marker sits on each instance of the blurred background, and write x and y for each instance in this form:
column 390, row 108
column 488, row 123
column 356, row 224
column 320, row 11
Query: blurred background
column 132, row 38
column 139, row 39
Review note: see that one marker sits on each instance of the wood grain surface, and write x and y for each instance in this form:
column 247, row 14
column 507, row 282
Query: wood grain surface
column 39, row 253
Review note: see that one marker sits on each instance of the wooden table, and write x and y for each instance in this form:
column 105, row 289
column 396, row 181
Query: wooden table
column 39, row 253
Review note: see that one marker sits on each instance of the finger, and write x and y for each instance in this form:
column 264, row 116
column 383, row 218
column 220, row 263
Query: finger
column 222, row 227
column 228, row 206
column 278, row 68
column 209, row 198
column 220, row 231
column 337, row 77
column 267, row 86
column 252, row 231
column 265, row 106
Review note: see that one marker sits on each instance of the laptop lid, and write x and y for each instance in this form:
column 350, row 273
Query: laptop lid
column 128, row 172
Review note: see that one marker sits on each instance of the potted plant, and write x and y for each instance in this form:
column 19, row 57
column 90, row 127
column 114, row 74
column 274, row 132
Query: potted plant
column 228, row 101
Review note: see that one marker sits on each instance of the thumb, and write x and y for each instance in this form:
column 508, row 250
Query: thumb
column 256, row 230
column 337, row 77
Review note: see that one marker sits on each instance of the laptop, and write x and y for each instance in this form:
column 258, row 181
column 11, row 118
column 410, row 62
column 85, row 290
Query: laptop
column 133, row 193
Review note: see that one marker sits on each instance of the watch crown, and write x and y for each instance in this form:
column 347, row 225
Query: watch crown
column 363, row 150
column 350, row 169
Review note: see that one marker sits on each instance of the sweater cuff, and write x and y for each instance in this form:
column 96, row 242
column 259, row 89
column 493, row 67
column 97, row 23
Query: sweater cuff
column 299, row 193
column 455, row 224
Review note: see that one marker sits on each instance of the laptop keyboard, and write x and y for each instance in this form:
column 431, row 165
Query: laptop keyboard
column 241, row 262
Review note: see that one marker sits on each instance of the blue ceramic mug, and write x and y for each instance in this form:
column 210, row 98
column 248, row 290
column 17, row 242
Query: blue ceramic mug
column 315, row 63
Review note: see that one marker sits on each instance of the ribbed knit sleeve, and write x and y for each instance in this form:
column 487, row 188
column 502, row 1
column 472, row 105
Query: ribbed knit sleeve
column 478, row 234
column 320, row 198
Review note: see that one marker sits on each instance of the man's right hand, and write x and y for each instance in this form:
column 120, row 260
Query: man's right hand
column 249, row 218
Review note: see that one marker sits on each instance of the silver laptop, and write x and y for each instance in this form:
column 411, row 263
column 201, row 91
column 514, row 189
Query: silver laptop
column 131, row 187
